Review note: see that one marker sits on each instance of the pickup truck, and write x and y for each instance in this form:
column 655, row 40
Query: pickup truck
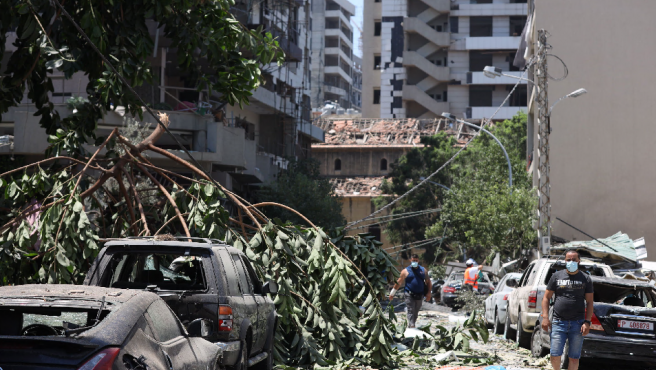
column 524, row 303
column 199, row 279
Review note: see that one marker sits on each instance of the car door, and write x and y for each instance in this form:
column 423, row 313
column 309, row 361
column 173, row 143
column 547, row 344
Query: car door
column 171, row 337
column 264, row 308
column 518, row 294
column 496, row 299
column 250, row 306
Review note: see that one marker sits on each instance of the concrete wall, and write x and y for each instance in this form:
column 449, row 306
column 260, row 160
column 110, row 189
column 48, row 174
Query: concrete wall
column 357, row 160
column 602, row 175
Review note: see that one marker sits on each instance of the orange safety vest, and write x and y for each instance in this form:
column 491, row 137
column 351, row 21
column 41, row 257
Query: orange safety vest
column 469, row 281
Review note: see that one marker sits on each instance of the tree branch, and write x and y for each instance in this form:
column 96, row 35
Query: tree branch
column 138, row 200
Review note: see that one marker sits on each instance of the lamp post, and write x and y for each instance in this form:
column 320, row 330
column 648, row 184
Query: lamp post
column 434, row 183
column 450, row 116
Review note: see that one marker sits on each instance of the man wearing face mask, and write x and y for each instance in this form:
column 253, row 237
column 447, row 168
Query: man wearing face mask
column 415, row 279
column 571, row 317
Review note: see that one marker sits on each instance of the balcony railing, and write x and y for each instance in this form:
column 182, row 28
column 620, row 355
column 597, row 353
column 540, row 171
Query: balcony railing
column 347, row 51
column 332, row 24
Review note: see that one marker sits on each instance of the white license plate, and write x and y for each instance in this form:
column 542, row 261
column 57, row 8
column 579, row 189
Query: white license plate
column 635, row 325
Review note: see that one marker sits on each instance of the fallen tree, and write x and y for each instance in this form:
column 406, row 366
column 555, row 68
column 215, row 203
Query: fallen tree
column 58, row 211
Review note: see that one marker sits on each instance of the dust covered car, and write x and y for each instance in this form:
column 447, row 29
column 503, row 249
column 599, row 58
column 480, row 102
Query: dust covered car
column 623, row 323
column 92, row 328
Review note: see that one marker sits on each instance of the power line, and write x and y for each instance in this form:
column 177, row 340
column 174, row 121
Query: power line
column 420, row 243
column 446, row 163
column 415, row 214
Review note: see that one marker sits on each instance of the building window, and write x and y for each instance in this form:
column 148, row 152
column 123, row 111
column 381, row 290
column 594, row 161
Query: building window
column 453, row 21
column 480, row 26
column 376, row 96
column 478, row 60
column 377, row 62
column 338, row 164
column 517, row 25
column 383, row 164
column 377, row 26
column 480, row 95
column 375, row 231
column 377, row 1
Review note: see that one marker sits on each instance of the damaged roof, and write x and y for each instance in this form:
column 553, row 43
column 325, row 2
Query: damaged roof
column 358, row 186
column 614, row 249
column 382, row 132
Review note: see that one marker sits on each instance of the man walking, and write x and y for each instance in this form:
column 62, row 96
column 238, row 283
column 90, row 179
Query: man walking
column 416, row 280
column 571, row 317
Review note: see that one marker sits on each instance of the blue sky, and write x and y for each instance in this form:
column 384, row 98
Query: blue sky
column 357, row 19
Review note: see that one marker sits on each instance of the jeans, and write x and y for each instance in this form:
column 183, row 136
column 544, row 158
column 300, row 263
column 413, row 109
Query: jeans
column 413, row 306
column 561, row 331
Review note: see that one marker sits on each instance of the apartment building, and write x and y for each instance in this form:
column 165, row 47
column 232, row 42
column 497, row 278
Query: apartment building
column 425, row 57
column 241, row 147
column 601, row 143
column 332, row 66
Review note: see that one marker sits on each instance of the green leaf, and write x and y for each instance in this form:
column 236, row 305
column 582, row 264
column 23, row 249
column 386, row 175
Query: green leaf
column 62, row 259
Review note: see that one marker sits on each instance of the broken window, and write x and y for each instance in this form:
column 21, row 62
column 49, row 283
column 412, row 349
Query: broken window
column 377, row 28
column 517, row 25
column 453, row 21
column 244, row 281
column 480, row 95
column 480, row 26
column 338, row 164
column 478, row 60
column 377, row 61
column 132, row 270
column 383, row 164
column 376, row 96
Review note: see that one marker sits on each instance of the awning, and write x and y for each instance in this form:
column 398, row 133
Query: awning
column 616, row 251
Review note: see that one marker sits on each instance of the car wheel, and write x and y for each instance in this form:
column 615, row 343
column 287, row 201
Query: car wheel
column 521, row 337
column 509, row 333
column 498, row 326
column 564, row 359
column 537, row 349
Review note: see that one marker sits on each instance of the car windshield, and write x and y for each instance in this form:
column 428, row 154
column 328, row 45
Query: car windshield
column 166, row 271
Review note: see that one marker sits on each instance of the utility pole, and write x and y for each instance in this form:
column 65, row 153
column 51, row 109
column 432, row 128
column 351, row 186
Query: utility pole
column 543, row 117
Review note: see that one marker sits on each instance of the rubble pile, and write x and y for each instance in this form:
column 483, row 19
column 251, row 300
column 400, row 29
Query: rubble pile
column 387, row 132
column 364, row 186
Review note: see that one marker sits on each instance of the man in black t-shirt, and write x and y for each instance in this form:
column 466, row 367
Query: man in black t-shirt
column 571, row 316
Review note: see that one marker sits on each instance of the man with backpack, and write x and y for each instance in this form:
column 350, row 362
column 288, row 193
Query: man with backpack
column 417, row 286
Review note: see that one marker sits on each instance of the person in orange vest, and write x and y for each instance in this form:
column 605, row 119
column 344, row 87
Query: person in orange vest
column 471, row 274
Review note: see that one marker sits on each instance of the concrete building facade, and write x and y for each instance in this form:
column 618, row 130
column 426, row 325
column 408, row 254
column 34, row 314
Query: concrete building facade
column 332, row 52
column 425, row 57
column 241, row 147
column 602, row 142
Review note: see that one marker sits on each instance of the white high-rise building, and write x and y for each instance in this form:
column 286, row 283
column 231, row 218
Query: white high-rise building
column 425, row 57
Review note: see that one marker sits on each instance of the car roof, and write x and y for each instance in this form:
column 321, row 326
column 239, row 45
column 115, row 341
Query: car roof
column 202, row 243
column 92, row 293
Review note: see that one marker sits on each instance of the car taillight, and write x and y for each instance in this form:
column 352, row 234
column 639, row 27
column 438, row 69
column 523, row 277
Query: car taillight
column 532, row 299
column 595, row 324
column 225, row 318
column 102, row 360
column 449, row 289
column 505, row 297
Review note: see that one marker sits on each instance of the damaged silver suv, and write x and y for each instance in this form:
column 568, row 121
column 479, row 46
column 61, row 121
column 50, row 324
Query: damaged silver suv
column 199, row 279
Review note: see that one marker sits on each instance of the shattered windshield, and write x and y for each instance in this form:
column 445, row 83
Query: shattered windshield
column 130, row 270
column 21, row 320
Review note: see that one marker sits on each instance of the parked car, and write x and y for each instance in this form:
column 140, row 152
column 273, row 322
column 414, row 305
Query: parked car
column 200, row 279
column 496, row 303
column 524, row 303
column 93, row 328
column 436, row 290
column 622, row 323
column 453, row 284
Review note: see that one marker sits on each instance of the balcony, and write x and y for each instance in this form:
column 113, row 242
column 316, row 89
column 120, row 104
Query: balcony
column 315, row 133
column 487, row 112
column 469, row 10
column 292, row 51
column 478, row 78
column 416, row 25
column 492, row 43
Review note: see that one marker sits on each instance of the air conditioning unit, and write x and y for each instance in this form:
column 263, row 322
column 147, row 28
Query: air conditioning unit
column 545, row 244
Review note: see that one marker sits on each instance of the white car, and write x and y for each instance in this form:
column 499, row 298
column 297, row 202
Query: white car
column 496, row 304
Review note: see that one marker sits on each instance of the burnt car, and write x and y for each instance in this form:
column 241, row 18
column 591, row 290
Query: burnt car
column 199, row 279
column 622, row 323
column 93, row 328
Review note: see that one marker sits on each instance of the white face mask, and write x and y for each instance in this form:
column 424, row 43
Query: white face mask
column 414, row 264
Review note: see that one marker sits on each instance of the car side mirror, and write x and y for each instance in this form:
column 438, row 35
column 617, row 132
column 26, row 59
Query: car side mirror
column 511, row 283
column 440, row 282
column 270, row 287
column 199, row 328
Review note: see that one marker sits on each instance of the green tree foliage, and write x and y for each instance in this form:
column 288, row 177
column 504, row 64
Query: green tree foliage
column 302, row 188
column 208, row 39
column 480, row 215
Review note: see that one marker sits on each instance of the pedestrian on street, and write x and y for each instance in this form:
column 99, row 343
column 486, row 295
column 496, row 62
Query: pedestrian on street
column 471, row 275
column 417, row 285
column 571, row 317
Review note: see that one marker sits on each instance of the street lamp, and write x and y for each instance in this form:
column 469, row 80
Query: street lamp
column 434, row 183
column 493, row 72
column 452, row 117
column 573, row 94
